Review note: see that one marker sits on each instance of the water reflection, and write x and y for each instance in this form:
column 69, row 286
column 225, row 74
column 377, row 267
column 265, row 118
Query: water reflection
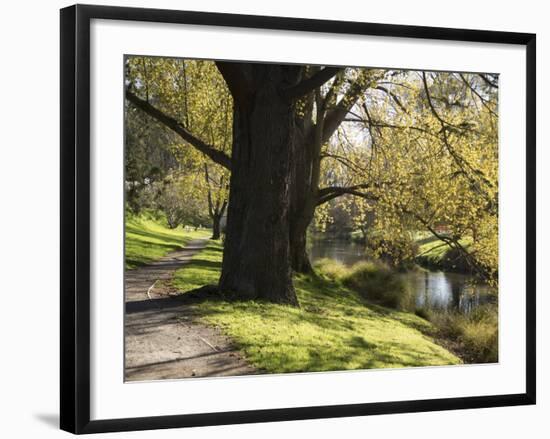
column 429, row 289
column 446, row 291
column 346, row 252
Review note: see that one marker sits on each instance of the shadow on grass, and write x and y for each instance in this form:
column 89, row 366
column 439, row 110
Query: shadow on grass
column 203, row 263
column 350, row 355
column 319, row 298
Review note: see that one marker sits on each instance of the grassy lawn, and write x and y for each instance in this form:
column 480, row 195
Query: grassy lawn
column 335, row 329
column 149, row 238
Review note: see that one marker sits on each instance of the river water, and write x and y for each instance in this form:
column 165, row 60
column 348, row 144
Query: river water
column 437, row 290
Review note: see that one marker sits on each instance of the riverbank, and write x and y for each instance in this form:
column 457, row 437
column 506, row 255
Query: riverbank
column 335, row 328
column 468, row 329
column 430, row 252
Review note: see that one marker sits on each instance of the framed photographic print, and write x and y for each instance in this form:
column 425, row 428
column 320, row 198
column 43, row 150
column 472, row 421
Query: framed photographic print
column 268, row 218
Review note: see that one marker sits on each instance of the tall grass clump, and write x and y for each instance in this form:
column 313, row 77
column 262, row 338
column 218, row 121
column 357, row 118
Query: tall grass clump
column 374, row 281
column 475, row 334
column 331, row 269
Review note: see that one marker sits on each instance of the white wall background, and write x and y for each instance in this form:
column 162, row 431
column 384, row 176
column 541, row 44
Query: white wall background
column 29, row 200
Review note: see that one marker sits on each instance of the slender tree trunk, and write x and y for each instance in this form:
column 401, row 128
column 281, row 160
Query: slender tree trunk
column 302, row 209
column 298, row 247
column 303, row 201
column 216, row 229
column 256, row 259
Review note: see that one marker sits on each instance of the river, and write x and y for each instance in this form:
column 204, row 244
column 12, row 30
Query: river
column 437, row 290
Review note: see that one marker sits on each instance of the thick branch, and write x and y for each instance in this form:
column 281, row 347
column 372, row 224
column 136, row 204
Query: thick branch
column 308, row 85
column 208, row 150
column 329, row 193
column 336, row 116
column 235, row 78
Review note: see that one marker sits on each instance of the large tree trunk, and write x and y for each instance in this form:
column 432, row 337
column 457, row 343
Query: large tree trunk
column 256, row 259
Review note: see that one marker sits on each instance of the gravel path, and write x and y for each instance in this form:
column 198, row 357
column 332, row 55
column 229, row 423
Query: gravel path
column 163, row 340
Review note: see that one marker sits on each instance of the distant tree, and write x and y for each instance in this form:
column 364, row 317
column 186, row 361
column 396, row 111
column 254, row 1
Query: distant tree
column 217, row 194
column 148, row 158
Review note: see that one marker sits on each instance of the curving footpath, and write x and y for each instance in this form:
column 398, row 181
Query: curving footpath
column 163, row 339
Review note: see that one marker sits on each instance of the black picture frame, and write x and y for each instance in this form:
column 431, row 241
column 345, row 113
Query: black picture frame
column 75, row 217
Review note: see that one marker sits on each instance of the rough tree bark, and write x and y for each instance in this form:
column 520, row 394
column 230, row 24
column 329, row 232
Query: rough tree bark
column 256, row 258
column 300, row 196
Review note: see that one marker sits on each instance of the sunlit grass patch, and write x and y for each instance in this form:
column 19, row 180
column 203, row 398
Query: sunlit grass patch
column 334, row 328
column 149, row 238
column 204, row 269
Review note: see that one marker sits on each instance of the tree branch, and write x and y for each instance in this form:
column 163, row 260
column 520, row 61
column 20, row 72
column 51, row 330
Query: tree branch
column 443, row 122
column 394, row 97
column 208, row 150
column 474, row 91
column 311, row 83
column 235, row 78
column 488, row 81
column 209, row 192
column 452, row 243
column 330, row 192
column 336, row 116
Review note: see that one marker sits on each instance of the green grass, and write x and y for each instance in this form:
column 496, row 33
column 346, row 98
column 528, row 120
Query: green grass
column 149, row 238
column 334, row 328
column 433, row 253
column 373, row 280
